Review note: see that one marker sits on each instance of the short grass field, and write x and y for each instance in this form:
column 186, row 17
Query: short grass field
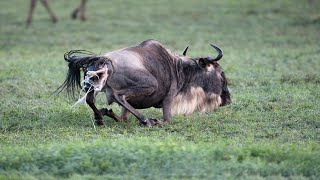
column 271, row 58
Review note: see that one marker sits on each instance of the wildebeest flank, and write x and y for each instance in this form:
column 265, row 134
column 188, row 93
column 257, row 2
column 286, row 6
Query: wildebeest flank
column 149, row 75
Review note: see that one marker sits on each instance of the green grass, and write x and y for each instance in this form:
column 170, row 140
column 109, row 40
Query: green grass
column 271, row 58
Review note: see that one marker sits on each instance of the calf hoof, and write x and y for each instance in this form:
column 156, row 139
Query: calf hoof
column 99, row 122
column 110, row 113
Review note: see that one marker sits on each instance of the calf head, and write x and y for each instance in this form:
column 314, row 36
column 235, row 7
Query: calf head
column 96, row 75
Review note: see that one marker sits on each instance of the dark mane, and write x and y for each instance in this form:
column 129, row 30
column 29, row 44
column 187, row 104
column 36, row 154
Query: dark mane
column 186, row 70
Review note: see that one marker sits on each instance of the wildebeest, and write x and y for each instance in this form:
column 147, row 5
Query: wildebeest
column 148, row 75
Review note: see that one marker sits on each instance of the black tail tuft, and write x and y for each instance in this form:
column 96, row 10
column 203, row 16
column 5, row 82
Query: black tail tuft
column 76, row 63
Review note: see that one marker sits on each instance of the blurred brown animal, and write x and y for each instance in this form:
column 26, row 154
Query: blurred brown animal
column 79, row 11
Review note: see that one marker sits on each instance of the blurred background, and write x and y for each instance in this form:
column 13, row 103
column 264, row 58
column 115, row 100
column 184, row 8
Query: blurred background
column 260, row 40
column 271, row 58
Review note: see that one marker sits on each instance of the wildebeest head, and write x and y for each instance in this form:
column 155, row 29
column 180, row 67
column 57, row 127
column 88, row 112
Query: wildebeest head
column 203, row 85
column 211, row 64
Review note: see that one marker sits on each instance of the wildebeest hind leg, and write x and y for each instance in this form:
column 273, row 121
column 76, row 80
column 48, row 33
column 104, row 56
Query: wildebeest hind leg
column 90, row 99
column 121, row 99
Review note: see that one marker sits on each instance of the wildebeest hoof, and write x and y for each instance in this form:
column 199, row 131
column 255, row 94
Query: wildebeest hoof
column 149, row 122
column 145, row 122
column 160, row 123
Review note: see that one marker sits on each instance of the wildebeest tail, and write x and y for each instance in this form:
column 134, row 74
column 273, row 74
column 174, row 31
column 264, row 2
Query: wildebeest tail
column 76, row 63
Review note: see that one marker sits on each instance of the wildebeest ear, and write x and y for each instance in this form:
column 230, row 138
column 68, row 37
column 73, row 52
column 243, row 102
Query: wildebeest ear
column 203, row 62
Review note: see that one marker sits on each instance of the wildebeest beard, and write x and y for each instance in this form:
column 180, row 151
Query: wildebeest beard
column 149, row 75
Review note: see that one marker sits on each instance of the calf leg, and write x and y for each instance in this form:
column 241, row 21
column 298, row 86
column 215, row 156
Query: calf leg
column 99, row 113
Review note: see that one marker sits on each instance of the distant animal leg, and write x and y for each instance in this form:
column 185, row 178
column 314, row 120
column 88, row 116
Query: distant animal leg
column 82, row 9
column 79, row 10
column 45, row 3
column 33, row 4
column 74, row 13
column 90, row 99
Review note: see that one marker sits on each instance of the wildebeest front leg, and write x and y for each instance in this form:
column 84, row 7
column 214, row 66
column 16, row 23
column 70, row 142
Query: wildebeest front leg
column 99, row 113
column 167, row 115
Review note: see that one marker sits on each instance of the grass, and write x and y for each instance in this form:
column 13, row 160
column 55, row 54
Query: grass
column 271, row 58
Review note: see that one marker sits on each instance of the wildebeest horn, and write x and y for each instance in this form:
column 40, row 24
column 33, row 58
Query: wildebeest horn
column 185, row 51
column 220, row 54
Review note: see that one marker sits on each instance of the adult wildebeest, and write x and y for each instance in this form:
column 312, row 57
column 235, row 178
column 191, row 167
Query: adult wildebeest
column 149, row 75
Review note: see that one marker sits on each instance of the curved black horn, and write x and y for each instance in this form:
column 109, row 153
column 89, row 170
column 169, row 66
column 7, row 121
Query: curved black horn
column 220, row 54
column 185, row 51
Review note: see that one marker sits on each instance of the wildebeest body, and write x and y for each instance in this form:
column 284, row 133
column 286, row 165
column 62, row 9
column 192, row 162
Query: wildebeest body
column 143, row 76
column 149, row 75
